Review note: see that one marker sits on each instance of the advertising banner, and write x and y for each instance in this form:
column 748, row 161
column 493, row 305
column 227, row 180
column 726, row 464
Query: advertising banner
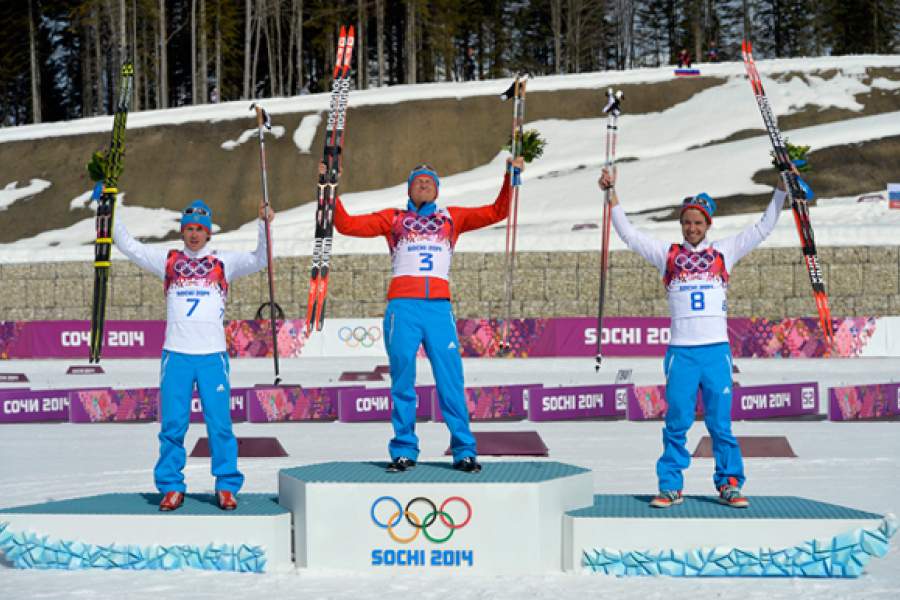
column 747, row 402
column 479, row 338
column 71, row 339
column 864, row 402
column 360, row 404
column 238, row 406
column 578, row 402
column 33, row 406
column 785, row 400
column 492, row 403
column 270, row 404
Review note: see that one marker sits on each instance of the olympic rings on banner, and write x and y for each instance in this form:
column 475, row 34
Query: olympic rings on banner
column 193, row 268
column 424, row 224
column 359, row 336
column 694, row 262
column 420, row 523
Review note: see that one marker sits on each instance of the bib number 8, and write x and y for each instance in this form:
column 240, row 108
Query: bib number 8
column 698, row 302
column 426, row 261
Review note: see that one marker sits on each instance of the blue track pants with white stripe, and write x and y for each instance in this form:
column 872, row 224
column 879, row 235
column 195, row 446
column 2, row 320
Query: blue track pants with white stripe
column 708, row 368
column 178, row 374
column 409, row 323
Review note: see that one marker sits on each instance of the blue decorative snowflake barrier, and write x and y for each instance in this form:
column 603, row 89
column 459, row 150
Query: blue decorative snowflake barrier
column 28, row 550
column 845, row 555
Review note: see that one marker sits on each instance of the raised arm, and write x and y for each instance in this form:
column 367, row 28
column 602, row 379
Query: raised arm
column 469, row 218
column 239, row 264
column 370, row 225
column 150, row 258
column 653, row 250
column 738, row 246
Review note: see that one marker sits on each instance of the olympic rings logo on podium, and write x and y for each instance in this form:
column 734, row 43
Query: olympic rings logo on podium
column 420, row 523
column 355, row 337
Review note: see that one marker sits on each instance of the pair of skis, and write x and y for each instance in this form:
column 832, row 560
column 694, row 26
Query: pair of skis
column 516, row 92
column 328, row 183
column 113, row 165
column 796, row 193
column 613, row 109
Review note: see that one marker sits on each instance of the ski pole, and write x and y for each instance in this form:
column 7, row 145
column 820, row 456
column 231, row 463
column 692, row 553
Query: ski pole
column 613, row 108
column 517, row 92
column 263, row 122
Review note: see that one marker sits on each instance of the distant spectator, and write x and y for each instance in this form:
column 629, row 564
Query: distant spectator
column 684, row 59
column 712, row 55
column 305, row 89
column 469, row 65
column 214, row 95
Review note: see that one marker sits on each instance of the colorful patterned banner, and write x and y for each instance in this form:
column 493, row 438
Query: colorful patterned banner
column 30, row 406
column 105, row 405
column 360, row 404
column 865, row 402
column 479, row 338
column 578, row 402
column 495, row 403
column 271, row 404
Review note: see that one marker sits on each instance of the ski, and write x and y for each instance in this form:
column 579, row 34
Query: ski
column 106, row 208
column 516, row 91
column 263, row 122
column 799, row 202
column 613, row 108
column 328, row 183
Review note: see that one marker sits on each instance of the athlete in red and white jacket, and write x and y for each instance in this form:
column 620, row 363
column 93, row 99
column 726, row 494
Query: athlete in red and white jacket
column 421, row 240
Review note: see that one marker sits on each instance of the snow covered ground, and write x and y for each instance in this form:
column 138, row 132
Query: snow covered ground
column 559, row 189
column 855, row 464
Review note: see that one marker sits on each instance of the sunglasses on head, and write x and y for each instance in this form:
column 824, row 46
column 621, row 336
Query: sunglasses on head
column 196, row 210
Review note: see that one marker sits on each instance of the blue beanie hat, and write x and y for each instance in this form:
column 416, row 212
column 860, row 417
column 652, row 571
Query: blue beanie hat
column 197, row 213
column 423, row 170
column 702, row 202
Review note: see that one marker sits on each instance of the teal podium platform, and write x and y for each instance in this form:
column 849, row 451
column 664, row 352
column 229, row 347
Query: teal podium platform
column 127, row 531
column 777, row 536
column 506, row 519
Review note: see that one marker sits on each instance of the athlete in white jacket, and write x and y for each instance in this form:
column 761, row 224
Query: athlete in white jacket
column 195, row 280
column 695, row 274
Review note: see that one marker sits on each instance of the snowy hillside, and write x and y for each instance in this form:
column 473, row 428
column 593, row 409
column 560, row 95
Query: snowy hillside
column 674, row 151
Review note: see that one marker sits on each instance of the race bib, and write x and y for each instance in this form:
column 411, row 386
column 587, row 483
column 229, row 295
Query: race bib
column 422, row 245
column 697, row 299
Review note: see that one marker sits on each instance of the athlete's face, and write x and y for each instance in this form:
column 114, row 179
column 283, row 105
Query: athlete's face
column 693, row 226
column 194, row 236
column 422, row 190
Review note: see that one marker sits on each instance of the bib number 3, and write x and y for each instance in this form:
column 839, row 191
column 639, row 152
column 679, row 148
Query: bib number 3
column 426, row 261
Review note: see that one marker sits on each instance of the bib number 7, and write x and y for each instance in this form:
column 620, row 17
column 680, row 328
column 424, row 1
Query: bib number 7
column 194, row 302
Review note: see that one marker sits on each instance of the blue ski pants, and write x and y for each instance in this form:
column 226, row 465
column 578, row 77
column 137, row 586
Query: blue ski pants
column 708, row 368
column 178, row 374
column 409, row 323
